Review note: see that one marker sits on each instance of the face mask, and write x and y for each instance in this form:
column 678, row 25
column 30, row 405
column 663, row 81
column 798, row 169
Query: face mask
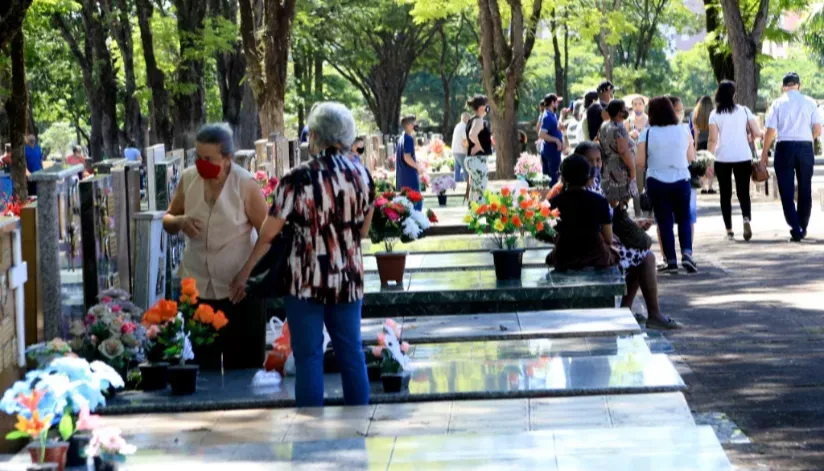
column 487, row 109
column 360, row 150
column 206, row 169
column 415, row 128
column 639, row 113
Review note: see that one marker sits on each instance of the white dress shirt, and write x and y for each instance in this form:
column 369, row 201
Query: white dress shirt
column 793, row 116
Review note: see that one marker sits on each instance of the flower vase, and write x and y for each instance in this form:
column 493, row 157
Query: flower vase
column 183, row 379
column 154, row 376
column 104, row 465
column 391, row 267
column 396, row 382
column 55, row 453
column 76, row 454
column 442, row 199
column 508, row 263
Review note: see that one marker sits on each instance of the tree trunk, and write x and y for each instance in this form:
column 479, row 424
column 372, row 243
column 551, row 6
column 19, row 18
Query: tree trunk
column 248, row 130
column 318, row 76
column 560, row 71
column 162, row 130
column 231, row 70
column 745, row 46
column 17, row 111
column 721, row 61
column 446, row 83
column 12, row 14
column 190, row 107
column 505, row 129
column 134, row 124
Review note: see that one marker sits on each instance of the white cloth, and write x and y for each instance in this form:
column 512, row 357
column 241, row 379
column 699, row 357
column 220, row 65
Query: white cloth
column 226, row 238
column 458, row 136
column 793, row 116
column 733, row 145
column 667, row 152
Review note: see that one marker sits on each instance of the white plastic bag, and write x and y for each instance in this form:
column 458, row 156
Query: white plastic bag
column 276, row 326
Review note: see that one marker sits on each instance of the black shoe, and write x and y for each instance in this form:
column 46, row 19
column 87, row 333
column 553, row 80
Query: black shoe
column 668, row 268
column 667, row 324
column 747, row 231
column 711, row 191
column 795, row 236
column 704, row 191
column 689, row 264
column 731, row 236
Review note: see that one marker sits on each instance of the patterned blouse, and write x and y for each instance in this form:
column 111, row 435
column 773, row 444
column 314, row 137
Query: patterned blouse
column 326, row 200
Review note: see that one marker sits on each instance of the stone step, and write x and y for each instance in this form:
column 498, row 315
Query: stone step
column 433, row 379
column 429, row 262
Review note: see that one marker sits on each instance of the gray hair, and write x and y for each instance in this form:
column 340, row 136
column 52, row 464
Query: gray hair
column 332, row 124
column 217, row 133
column 465, row 116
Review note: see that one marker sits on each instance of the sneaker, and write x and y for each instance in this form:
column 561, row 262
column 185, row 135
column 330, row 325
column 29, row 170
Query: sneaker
column 668, row 323
column 689, row 264
column 795, row 236
column 747, row 231
column 704, row 191
column 668, row 268
column 731, row 236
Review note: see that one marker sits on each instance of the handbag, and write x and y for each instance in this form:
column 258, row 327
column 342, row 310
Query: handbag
column 266, row 279
column 628, row 232
column 644, row 200
column 760, row 173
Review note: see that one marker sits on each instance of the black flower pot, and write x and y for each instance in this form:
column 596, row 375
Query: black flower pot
column 395, row 383
column 154, row 376
column 183, row 379
column 508, row 263
column 330, row 362
column 373, row 370
column 442, row 200
column 76, row 455
column 100, row 465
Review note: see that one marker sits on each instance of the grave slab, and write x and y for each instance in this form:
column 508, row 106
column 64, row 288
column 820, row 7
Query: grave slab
column 578, row 322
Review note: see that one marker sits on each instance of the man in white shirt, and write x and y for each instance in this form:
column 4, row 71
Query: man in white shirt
column 796, row 124
column 459, row 147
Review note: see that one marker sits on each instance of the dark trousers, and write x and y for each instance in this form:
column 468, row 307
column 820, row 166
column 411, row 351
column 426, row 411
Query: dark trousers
column 743, row 172
column 795, row 160
column 243, row 340
column 671, row 204
column 551, row 165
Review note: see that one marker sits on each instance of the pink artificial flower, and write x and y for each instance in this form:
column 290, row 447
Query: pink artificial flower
column 94, row 339
column 377, row 352
column 394, row 326
column 391, row 214
column 89, row 319
column 381, row 201
column 261, row 176
column 105, row 300
column 152, row 331
column 273, row 182
column 117, row 308
column 128, row 327
column 381, row 339
column 86, row 421
column 405, row 347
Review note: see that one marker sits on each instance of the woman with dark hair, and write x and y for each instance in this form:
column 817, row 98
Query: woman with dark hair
column 589, row 99
column 732, row 127
column 665, row 150
column 479, row 137
column 700, row 125
column 618, row 151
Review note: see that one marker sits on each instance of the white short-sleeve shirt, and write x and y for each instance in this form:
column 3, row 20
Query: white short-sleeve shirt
column 458, row 136
column 793, row 116
column 733, row 145
column 667, row 148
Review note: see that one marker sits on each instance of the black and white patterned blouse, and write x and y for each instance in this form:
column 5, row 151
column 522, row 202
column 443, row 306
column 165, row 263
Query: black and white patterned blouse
column 326, row 200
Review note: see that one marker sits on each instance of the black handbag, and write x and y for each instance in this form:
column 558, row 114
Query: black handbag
column 628, row 232
column 267, row 278
column 644, row 199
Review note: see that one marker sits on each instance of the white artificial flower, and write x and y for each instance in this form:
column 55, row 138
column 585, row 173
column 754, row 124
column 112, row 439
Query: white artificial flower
column 404, row 201
column 411, row 228
column 421, row 220
column 107, row 373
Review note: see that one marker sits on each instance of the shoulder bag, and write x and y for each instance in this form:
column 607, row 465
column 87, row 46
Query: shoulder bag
column 760, row 173
column 267, row 278
column 645, row 201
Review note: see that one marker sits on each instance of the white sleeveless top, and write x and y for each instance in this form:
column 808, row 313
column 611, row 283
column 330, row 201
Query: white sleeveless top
column 226, row 239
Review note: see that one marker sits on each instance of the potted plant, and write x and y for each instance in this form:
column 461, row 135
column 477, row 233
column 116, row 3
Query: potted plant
column 33, row 423
column 395, row 367
column 528, row 167
column 159, row 336
column 203, row 325
column 441, row 185
column 395, row 219
column 108, row 449
column 167, row 327
column 374, row 356
column 508, row 218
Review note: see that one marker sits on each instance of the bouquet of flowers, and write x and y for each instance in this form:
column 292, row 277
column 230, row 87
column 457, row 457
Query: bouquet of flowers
column 396, row 218
column 384, row 180
column 507, row 217
column 425, row 181
column 528, row 166
column 13, row 206
column 166, row 337
column 109, row 332
column 437, row 156
column 267, row 186
column 43, row 353
column 202, row 322
column 391, row 350
column 443, row 184
column 108, row 445
column 704, row 160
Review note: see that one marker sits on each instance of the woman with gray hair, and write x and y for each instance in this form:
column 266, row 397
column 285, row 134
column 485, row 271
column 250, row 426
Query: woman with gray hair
column 219, row 208
column 328, row 202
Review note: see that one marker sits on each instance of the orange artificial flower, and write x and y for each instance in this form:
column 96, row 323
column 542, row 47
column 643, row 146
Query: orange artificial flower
column 535, row 195
column 516, row 221
column 31, row 402
column 205, row 314
column 523, row 191
column 167, row 309
column 32, row 427
column 530, row 214
column 152, row 317
column 545, row 212
column 493, row 207
column 505, row 192
column 540, row 226
column 504, row 210
column 556, row 213
column 482, row 209
column 526, row 204
column 504, row 219
column 188, row 291
column 220, row 320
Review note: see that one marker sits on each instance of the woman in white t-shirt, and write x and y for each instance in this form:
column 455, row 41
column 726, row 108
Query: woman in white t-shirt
column 732, row 129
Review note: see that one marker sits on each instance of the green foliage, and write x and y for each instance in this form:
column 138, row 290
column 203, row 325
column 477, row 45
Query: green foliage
column 66, row 425
column 58, row 138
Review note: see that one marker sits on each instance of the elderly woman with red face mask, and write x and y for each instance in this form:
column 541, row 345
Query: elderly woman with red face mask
column 219, row 208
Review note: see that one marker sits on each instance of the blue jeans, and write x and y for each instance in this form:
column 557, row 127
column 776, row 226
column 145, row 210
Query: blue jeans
column 671, row 204
column 343, row 321
column 795, row 159
column 459, row 167
column 551, row 165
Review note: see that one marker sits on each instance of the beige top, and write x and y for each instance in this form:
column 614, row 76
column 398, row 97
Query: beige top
column 227, row 238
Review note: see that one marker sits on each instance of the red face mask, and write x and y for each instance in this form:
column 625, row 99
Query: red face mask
column 206, row 169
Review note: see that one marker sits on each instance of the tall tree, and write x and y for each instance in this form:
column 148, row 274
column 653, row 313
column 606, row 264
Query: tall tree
column 374, row 46
column 717, row 49
column 267, row 56
column 95, row 60
column 190, row 97
column 746, row 42
column 607, row 37
column 451, row 57
column 162, row 129
column 560, row 59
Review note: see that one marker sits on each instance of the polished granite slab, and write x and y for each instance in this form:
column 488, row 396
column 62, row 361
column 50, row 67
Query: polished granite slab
column 667, row 448
column 511, row 372
column 462, row 243
column 451, row 261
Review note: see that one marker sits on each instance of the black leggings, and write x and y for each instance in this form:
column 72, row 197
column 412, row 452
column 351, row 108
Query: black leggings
column 724, row 172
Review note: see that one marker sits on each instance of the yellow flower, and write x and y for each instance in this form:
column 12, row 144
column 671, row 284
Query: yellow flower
column 473, row 206
column 495, row 199
column 499, row 226
column 467, row 219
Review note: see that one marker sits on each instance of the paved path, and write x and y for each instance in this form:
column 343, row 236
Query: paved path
column 754, row 336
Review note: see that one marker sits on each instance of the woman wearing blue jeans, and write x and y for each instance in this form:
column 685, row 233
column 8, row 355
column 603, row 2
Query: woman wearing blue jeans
column 328, row 201
column 666, row 149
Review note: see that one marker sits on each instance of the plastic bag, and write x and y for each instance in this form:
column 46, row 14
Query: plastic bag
column 266, row 379
column 282, row 348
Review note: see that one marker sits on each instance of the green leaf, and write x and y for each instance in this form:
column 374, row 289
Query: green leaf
column 66, row 426
column 16, row 435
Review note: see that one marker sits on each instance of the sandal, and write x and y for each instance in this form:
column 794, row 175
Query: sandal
column 668, row 324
